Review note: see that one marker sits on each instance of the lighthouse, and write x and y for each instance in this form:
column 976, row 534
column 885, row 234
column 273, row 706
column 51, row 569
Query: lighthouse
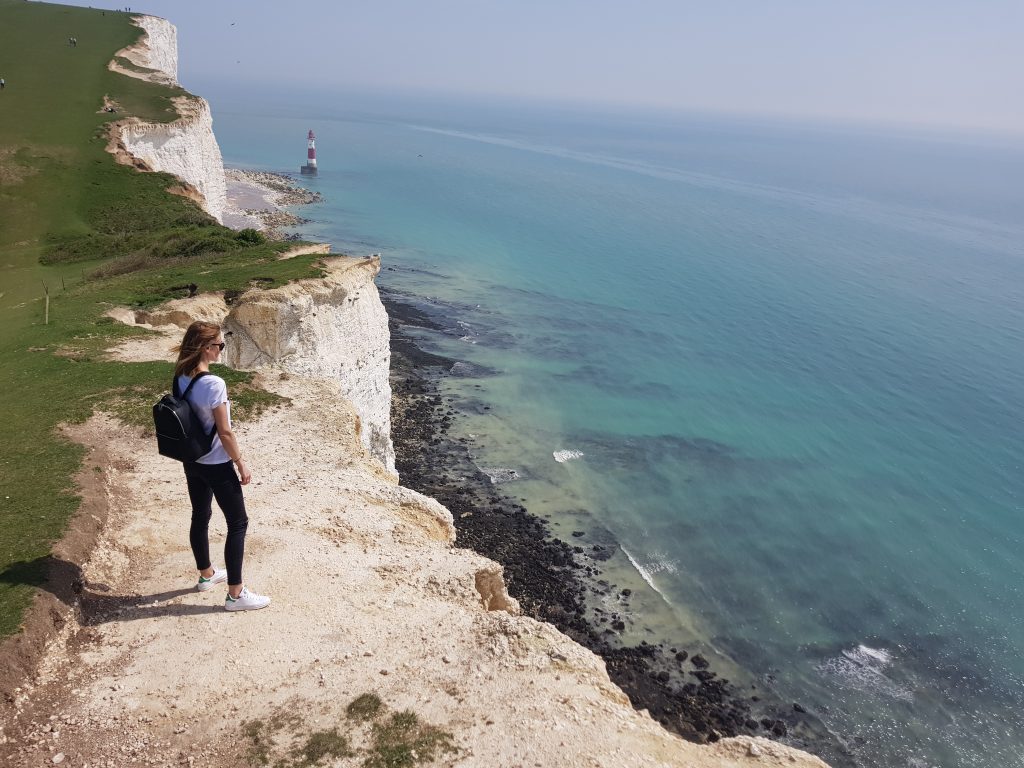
column 309, row 169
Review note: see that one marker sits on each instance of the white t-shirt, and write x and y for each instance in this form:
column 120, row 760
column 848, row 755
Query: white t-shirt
column 209, row 392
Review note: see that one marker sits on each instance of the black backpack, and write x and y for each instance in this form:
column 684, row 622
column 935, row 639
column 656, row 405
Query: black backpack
column 179, row 432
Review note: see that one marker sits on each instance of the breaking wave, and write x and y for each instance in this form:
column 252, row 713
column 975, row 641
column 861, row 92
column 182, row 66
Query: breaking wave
column 563, row 456
column 863, row 668
column 647, row 572
column 500, row 474
column 467, row 330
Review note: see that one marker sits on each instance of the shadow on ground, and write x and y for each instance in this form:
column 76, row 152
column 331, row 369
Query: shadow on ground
column 97, row 603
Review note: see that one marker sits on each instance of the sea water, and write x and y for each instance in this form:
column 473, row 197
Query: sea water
column 778, row 368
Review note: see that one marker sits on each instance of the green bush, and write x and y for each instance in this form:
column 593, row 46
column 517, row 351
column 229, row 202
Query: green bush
column 251, row 236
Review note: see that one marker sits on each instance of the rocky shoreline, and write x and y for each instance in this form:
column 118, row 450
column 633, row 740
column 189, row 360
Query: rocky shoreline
column 550, row 578
column 273, row 192
column 280, row 185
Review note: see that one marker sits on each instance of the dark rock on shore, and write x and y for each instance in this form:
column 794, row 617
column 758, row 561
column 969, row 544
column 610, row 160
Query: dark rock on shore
column 550, row 578
column 544, row 573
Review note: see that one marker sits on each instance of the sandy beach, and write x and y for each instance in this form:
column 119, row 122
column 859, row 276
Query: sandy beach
column 258, row 199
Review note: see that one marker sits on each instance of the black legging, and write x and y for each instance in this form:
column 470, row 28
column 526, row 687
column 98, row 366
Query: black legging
column 205, row 482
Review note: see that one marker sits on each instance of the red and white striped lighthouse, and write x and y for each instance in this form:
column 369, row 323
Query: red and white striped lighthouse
column 309, row 169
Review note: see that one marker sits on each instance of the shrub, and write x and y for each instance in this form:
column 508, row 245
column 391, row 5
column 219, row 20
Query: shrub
column 251, row 236
column 321, row 744
column 365, row 707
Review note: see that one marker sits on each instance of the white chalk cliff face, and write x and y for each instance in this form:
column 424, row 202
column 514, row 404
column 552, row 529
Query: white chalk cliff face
column 334, row 328
column 186, row 147
column 158, row 49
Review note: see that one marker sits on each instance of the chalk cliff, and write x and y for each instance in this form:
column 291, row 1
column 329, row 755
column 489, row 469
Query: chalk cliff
column 389, row 603
column 335, row 328
column 186, row 147
column 332, row 328
column 157, row 50
column 370, row 599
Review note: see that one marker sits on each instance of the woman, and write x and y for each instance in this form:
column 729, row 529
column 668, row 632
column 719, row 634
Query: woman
column 212, row 476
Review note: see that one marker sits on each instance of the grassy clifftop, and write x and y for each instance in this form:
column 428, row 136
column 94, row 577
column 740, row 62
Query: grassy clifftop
column 56, row 176
column 91, row 234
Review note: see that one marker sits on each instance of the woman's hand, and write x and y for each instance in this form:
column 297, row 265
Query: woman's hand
column 230, row 443
column 243, row 472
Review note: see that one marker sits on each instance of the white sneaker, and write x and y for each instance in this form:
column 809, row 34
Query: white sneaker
column 246, row 601
column 219, row 577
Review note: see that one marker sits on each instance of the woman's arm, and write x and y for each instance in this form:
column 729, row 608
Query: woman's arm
column 230, row 443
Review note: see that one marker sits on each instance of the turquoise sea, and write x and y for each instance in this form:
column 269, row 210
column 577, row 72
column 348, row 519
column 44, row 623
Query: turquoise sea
column 781, row 366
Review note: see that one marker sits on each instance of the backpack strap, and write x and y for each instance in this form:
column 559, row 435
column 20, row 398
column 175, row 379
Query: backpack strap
column 184, row 395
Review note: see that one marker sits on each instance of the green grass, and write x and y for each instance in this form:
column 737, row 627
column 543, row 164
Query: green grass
column 50, row 117
column 403, row 741
column 259, row 742
column 398, row 740
column 95, row 234
column 321, row 744
column 364, row 707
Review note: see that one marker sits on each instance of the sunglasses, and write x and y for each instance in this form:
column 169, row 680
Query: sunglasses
column 219, row 346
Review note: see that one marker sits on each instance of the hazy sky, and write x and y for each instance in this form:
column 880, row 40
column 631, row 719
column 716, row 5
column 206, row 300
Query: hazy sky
column 920, row 61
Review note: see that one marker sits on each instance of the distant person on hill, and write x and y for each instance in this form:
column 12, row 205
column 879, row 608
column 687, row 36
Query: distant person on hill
column 3, row 83
column 212, row 476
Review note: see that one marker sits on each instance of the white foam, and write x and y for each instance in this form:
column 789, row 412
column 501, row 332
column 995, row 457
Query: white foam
column 563, row 456
column 661, row 562
column 647, row 575
column 863, row 668
column 468, row 336
column 500, row 474
column 863, row 654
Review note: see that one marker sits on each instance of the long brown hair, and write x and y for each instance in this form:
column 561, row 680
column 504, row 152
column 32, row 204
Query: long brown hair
column 190, row 352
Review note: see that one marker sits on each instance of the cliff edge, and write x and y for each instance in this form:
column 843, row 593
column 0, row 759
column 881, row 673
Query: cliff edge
column 332, row 328
column 186, row 147
column 372, row 601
